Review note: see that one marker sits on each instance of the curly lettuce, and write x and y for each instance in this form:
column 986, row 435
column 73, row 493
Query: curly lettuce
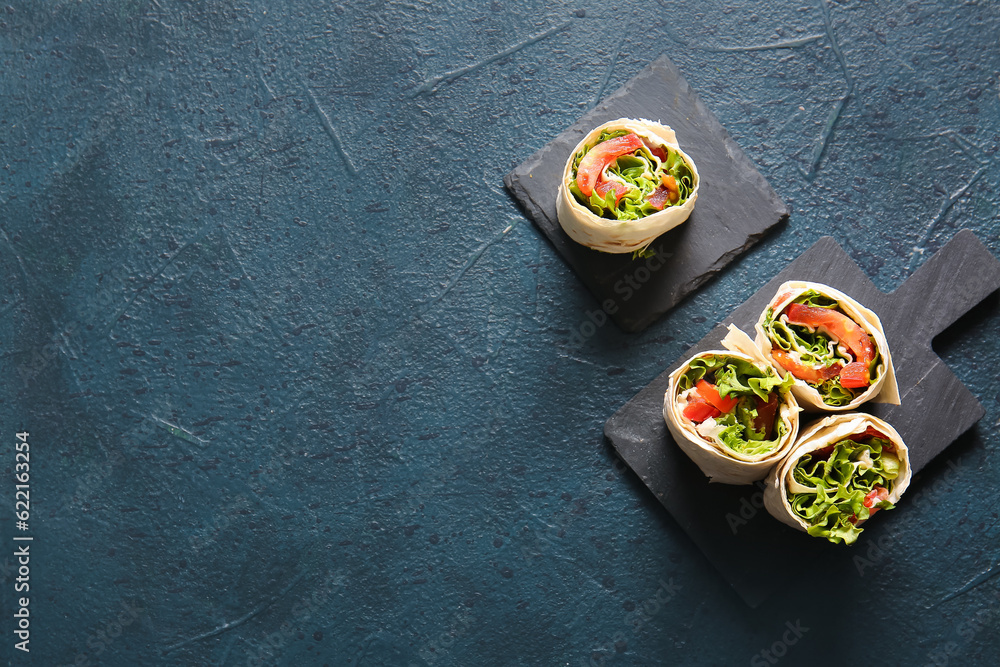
column 746, row 381
column 816, row 349
column 830, row 488
column 643, row 172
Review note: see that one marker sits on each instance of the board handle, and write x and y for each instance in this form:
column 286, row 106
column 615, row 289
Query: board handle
column 947, row 286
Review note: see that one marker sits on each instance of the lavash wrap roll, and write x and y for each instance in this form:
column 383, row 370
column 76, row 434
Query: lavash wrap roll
column 819, row 435
column 616, row 236
column 883, row 388
column 718, row 462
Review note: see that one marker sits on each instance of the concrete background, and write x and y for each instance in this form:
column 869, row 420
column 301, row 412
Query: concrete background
column 297, row 371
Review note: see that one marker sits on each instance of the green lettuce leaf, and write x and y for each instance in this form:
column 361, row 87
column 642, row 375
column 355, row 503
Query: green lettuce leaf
column 834, row 393
column 814, row 298
column 841, row 481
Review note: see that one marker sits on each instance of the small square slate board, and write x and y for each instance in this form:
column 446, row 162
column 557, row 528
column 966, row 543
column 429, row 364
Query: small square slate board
column 736, row 207
column 755, row 552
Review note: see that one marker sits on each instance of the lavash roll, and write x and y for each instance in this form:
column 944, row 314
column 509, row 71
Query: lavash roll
column 883, row 388
column 718, row 462
column 819, row 435
column 616, row 236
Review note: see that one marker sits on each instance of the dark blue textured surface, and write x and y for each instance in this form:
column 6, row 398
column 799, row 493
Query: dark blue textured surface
column 297, row 394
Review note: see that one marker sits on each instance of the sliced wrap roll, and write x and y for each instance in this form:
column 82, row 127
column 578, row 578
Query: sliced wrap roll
column 624, row 184
column 834, row 346
column 732, row 414
column 842, row 469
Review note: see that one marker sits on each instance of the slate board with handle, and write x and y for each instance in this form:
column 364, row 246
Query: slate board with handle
column 736, row 206
column 728, row 522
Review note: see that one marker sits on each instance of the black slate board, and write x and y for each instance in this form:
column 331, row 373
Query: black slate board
column 736, row 207
column 740, row 538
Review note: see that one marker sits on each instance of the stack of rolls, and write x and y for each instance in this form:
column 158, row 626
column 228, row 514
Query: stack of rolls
column 735, row 412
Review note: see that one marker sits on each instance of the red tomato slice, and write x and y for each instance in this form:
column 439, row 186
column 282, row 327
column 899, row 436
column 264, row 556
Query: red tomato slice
column 841, row 327
column 660, row 197
column 855, row 375
column 668, row 192
column 600, row 156
column 709, row 392
column 605, row 185
column 803, row 372
column 765, row 415
column 877, row 495
column 698, row 409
